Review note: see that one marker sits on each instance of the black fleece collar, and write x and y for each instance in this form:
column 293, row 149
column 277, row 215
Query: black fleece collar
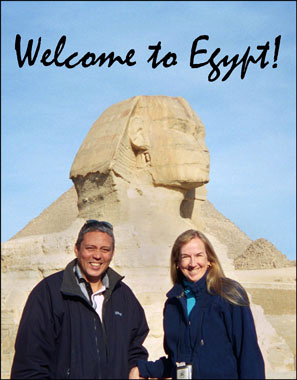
column 70, row 286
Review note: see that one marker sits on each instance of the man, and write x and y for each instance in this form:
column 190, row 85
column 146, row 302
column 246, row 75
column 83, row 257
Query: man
column 83, row 322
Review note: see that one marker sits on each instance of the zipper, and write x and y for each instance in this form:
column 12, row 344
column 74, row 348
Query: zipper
column 200, row 329
column 103, row 328
column 103, row 312
column 97, row 347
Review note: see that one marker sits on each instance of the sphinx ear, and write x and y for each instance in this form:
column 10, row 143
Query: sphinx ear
column 138, row 136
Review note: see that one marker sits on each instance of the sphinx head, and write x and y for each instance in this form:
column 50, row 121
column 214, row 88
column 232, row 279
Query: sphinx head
column 158, row 137
column 167, row 135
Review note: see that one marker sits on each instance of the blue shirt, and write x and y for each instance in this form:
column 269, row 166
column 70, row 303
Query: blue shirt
column 190, row 297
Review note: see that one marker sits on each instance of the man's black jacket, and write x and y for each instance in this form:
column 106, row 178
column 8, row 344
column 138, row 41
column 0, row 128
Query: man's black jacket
column 61, row 336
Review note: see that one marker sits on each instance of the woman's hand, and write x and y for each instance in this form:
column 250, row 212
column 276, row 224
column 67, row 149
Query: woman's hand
column 134, row 373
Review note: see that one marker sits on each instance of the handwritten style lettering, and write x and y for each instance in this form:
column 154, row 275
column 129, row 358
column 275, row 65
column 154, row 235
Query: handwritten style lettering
column 165, row 60
column 225, row 61
column 221, row 66
column 89, row 59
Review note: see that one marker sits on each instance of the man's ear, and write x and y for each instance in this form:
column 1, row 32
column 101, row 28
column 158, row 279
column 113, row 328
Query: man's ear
column 76, row 251
column 137, row 135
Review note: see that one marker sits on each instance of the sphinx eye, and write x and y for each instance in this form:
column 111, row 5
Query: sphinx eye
column 180, row 127
column 189, row 128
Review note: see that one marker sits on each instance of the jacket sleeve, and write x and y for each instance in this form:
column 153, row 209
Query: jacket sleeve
column 249, row 357
column 35, row 341
column 158, row 369
column 139, row 332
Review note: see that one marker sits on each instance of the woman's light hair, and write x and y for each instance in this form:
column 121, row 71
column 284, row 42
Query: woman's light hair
column 216, row 281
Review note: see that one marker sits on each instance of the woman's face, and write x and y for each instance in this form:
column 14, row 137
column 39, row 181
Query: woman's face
column 193, row 260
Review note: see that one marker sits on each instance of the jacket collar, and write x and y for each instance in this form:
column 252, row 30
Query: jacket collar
column 70, row 285
column 114, row 279
column 197, row 287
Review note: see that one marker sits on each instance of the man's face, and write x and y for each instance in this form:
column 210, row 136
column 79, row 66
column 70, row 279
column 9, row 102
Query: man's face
column 193, row 261
column 94, row 255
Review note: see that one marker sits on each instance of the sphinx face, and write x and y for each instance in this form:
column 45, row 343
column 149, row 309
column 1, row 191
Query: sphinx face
column 160, row 135
column 175, row 135
column 179, row 156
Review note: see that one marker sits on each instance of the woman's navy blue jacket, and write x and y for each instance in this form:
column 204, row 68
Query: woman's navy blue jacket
column 218, row 338
column 60, row 335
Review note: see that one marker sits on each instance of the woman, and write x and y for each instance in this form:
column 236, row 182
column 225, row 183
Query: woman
column 209, row 331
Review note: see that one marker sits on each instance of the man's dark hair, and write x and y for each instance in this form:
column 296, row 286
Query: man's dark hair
column 95, row 225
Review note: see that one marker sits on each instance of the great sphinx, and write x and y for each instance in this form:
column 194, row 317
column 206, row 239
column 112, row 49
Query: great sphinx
column 143, row 166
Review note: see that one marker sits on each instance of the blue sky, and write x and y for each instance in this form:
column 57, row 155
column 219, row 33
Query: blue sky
column 250, row 123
